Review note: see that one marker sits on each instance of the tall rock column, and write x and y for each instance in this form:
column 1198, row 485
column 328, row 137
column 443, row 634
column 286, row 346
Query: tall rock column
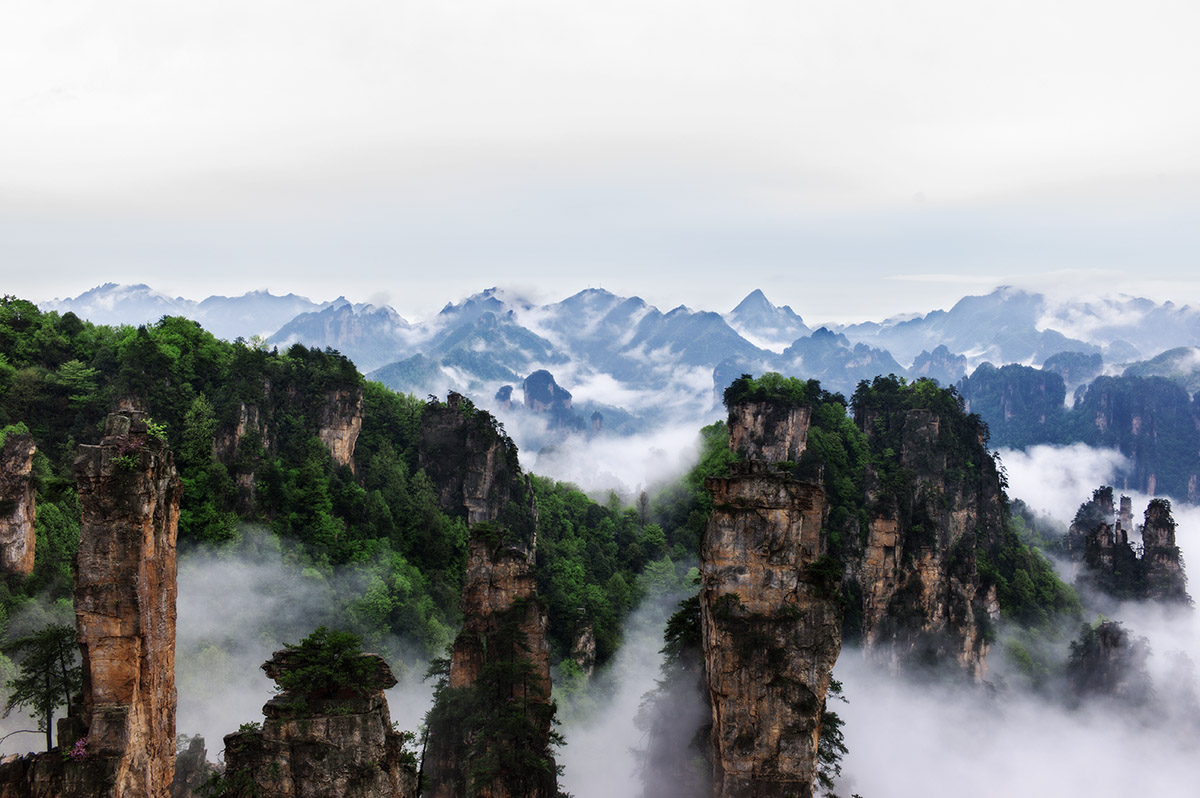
column 125, row 593
column 1165, row 579
column 770, row 613
column 17, row 509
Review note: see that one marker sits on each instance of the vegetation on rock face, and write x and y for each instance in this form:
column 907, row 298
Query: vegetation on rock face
column 495, row 727
column 1150, row 419
column 243, row 424
column 324, row 664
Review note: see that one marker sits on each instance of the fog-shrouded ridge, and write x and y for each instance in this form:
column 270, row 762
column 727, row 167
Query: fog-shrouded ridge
column 933, row 739
column 236, row 607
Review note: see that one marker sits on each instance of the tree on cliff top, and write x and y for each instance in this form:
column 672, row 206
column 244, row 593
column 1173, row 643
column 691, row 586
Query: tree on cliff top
column 49, row 674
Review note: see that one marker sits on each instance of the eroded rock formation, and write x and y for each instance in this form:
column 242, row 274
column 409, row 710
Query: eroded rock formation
column 770, row 612
column 125, row 594
column 17, row 507
column 1106, row 661
column 472, row 464
column 1114, row 560
column 491, row 722
column 314, row 746
column 125, row 621
column 768, row 431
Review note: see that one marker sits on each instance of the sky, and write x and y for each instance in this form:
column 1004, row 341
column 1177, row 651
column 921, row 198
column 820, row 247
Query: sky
column 854, row 159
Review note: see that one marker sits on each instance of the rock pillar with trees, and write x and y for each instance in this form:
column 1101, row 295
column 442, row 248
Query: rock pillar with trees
column 490, row 729
column 125, row 593
column 770, row 610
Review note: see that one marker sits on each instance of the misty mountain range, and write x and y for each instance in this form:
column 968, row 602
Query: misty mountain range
column 493, row 337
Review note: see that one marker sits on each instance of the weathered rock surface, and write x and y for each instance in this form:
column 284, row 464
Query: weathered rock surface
column 768, row 431
column 770, row 612
column 125, row 594
column 341, row 422
column 472, row 465
column 315, row 747
column 17, row 507
column 503, row 622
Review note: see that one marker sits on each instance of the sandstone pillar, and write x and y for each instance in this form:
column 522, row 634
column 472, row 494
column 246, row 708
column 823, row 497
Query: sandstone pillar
column 17, row 509
column 770, row 612
column 125, row 594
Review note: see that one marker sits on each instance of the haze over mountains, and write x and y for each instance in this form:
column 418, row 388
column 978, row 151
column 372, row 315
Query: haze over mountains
column 623, row 367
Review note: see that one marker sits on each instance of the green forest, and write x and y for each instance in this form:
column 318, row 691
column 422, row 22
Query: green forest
column 378, row 519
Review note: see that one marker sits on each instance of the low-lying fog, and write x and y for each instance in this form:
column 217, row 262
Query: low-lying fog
column 905, row 738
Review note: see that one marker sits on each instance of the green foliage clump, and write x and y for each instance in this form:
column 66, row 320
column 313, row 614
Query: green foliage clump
column 774, row 388
column 326, row 663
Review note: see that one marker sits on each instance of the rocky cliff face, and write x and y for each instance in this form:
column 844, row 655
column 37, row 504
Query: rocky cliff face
column 125, row 622
column 769, row 432
column 312, row 747
column 341, row 422
column 501, row 659
column 923, row 600
column 770, row 612
column 125, row 594
column 17, row 508
column 471, row 463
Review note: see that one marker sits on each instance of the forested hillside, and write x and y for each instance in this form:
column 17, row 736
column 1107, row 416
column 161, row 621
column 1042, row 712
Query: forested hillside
column 264, row 437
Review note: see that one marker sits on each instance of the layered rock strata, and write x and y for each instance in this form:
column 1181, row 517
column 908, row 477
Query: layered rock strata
column 312, row 747
column 17, row 507
column 770, row 613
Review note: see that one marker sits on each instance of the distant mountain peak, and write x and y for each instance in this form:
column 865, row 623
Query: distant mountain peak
column 755, row 301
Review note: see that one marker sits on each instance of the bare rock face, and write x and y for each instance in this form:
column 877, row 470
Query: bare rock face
column 125, row 594
column 17, row 508
column 923, row 600
column 341, row 422
column 310, row 747
column 770, row 613
column 768, row 431
column 473, row 465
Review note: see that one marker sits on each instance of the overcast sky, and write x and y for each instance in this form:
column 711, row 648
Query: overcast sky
column 852, row 158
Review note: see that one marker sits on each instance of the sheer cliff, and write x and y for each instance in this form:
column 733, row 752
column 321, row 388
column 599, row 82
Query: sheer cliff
column 769, row 607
